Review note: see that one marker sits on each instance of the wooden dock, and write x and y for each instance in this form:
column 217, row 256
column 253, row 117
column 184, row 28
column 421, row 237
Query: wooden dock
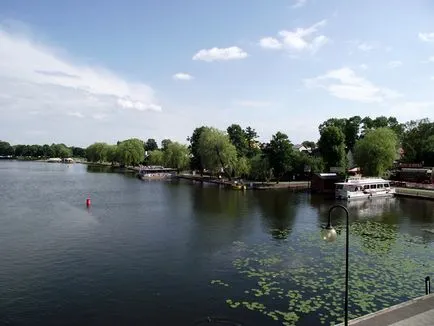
column 415, row 312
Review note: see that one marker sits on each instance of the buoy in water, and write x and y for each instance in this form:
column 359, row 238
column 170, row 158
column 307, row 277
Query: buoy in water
column 88, row 202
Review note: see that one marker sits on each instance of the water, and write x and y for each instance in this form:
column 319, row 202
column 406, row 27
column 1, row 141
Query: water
column 145, row 253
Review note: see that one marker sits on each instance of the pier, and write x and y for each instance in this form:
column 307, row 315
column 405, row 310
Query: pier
column 415, row 312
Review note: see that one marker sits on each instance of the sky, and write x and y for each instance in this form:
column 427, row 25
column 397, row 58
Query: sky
column 83, row 71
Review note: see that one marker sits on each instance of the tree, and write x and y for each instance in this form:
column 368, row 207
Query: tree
column 251, row 136
column 6, row 149
column 156, row 157
column 195, row 161
column 131, row 152
column 151, row 145
column 63, row 151
column 376, row 152
column 332, row 147
column 238, row 138
column 260, row 168
column 97, row 152
column 111, row 152
column 176, row 156
column 165, row 143
column 351, row 132
column 217, row 152
column 78, row 152
column 417, row 142
column 280, row 155
column 242, row 167
column 48, row 152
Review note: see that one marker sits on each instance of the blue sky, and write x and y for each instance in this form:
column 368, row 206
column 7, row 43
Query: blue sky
column 85, row 71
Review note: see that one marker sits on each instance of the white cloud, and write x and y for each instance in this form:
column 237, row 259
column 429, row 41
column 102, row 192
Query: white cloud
column 252, row 104
column 220, row 54
column 182, row 76
column 298, row 40
column 75, row 114
column 365, row 47
column 432, row 78
column 363, row 66
column 426, row 37
column 431, row 59
column 394, row 64
column 270, row 43
column 345, row 84
column 39, row 86
column 299, row 3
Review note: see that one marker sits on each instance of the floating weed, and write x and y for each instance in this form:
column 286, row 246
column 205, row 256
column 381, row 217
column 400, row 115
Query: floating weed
column 307, row 275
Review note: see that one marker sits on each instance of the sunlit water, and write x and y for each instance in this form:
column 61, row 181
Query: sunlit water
column 175, row 253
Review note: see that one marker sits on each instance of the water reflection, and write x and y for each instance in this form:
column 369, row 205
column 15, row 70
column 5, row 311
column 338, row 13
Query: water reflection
column 278, row 211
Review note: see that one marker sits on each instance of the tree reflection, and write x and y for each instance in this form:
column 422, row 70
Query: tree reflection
column 277, row 211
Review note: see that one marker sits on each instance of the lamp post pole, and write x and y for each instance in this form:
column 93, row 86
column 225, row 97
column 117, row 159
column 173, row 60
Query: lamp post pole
column 331, row 236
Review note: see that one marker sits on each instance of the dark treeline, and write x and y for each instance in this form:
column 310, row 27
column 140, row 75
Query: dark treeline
column 371, row 144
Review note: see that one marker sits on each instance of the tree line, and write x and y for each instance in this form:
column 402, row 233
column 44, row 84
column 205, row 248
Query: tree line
column 371, row 144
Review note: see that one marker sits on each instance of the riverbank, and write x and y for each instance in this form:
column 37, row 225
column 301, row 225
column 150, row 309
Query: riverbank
column 293, row 185
column 415, row 193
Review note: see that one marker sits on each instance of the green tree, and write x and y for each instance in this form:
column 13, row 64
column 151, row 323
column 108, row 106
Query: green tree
column 151, row 145
column 251, row 136
column 217, row 152
column 6, row 149
column 165, row 143
column 78, row 152
column 280, row 155
column 376, row 151
column 131, row 152
column 332, row 146
column 111, row 154
column 417, row 142
column 47, row 151
column 176, row 156
column 242, row 167
column 195, row 161
column 155, row 157
column 309, row 144
column 97, row 152
column 19, row 150
column 349, row 127
column 260, row 168
column 238, row 138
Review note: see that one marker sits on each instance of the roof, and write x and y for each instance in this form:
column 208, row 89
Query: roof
column 327, row 175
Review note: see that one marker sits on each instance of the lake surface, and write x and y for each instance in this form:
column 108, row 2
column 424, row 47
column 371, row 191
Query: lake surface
column 176, row 253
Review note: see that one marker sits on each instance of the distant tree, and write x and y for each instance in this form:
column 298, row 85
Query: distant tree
column 176, row 156
column 195, row 161
column 165, row 143
column 217, row 152
column 6, row 149
column 238, row 138
column 19, row 150
column 97, row 152
column 417, row 142
column 111, row 152
column 155, row 157
column 242, row 167
column 280, row 155
column 151, row 145
column 260, row 168
column 78, row 152
column 332, row 147
column 131, row 152
column 47, row 151
column 251, row 136
column 349, row 127
column 376, row 151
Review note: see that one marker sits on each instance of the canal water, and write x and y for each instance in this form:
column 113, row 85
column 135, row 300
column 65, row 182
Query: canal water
column 179, row 253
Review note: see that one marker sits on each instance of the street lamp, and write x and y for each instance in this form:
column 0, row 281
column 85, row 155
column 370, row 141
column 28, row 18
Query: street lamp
column 329, row 234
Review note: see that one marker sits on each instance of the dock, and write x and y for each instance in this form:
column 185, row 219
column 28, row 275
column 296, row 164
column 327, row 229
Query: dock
column 415, row 312
column 415, row 193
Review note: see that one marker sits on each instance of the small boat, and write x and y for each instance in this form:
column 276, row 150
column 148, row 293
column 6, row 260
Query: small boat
column 237, row 186
column 363, row 188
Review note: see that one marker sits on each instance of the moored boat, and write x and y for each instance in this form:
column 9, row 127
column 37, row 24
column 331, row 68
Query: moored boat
column 363, row 188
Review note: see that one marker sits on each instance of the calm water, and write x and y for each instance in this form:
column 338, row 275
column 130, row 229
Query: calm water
column 145, row 253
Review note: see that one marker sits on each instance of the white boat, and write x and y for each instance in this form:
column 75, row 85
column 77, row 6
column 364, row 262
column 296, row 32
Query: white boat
column 363, row 188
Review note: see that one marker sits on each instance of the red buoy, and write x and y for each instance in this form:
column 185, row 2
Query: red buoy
column 88, row 202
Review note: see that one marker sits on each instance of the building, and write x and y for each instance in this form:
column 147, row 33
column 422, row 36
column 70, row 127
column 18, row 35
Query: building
column 324, row 183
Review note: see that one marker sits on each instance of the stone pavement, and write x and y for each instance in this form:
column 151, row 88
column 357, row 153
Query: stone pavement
column 416, row 312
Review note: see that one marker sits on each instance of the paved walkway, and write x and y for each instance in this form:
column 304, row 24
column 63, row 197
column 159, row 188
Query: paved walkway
column 416, row 312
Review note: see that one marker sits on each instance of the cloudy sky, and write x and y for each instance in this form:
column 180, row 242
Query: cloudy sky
column 84, row 71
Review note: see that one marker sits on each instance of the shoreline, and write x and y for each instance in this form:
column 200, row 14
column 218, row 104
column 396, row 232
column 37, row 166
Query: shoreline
column 414, row 193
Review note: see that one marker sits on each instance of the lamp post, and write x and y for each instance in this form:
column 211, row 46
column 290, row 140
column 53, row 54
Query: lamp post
column 329, row 234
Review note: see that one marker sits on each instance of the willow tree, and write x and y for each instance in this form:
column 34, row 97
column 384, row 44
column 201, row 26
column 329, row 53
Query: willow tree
column 176, row 156
column 376, row 151
column 217, row 152
column 131, row 151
